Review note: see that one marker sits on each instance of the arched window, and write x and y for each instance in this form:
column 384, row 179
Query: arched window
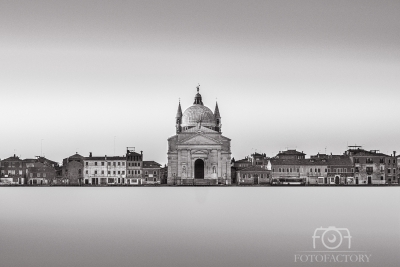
column 214, row 169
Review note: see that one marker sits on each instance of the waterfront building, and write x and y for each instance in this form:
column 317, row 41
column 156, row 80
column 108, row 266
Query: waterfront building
column 340, row 169
column 239, row 165
column 391, row 169
column 398, row 169
column 134, row 166
column 151, row 172
column 40, row 171
column 72, row 170
column 104, row 170
column 290, row 154
column 199, row 153
column 291, row 166
column 12, row 171
column 309, row 171
column 372, row 167
column 253, row 175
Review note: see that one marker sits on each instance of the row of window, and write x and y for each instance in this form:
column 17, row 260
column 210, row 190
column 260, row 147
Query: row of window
column 109, row 172
column 11, row 164
column 134, row 164
column 317, row 170
column 248, row 175
column 20, row 173
column 394, row 170
column 138, row 172
column 38, row 175
column 134, row 158
column 119, row 163
column 371, row 160
column 123, row 172
column 134, row 172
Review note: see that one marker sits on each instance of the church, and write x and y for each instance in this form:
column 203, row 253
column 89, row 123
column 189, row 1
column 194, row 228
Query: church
column 198, row 154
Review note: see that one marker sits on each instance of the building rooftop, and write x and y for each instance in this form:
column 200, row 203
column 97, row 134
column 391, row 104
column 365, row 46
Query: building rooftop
column 291, row 152
column 243, row 161
column 151, row 164
column 363, row 152
column 12, row 158
column 105, row 158
column 254, row 168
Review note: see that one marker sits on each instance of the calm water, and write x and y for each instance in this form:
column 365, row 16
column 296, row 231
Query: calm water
column 186, row 226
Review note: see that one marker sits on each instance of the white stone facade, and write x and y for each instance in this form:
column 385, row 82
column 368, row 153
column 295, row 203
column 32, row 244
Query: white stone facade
column 104, row 170
column 199, row 152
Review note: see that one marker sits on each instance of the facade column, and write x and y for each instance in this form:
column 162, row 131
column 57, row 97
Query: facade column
column 219, row 166
column 189, row 164
column 178, row 160
column 192, row 167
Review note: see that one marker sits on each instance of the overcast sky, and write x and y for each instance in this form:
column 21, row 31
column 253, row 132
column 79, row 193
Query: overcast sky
column 311, row 75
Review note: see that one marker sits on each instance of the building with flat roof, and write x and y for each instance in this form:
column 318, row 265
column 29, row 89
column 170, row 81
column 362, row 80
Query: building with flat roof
column 104, row 170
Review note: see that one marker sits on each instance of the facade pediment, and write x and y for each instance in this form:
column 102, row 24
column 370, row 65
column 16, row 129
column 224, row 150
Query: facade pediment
column 200, row 140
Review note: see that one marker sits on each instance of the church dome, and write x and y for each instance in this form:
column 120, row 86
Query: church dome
column 198, row 113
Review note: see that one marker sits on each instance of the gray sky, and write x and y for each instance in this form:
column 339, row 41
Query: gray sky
column 297, row 74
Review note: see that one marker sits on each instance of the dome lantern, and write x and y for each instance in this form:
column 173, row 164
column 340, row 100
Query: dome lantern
column 197, row 98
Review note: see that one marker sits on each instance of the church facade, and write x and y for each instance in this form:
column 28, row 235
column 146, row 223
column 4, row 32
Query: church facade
column 198, row 154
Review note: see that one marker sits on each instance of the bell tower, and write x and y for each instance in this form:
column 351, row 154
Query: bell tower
column 178, row 118
column 217, row 117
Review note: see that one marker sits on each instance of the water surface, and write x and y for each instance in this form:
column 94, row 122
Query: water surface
column 191, row 226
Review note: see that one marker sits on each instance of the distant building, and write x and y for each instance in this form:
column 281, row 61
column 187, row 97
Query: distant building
column 151, row 171
column 290, row 154
column 309, row 171
column 239, row 165
column 41, row 171
column 291, row 166
column 253, row 175
column 340, row 169
column 12, row 171
column 372, row 167
column 242, row 163
column 391, row 169
column 398, row 169
column 72, row 170
column 104, row 170
column 260, row 159
column 134, row 166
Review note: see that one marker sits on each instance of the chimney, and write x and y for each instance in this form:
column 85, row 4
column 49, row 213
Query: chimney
column 394, row 153
column 105, row 157
column 90, row 154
